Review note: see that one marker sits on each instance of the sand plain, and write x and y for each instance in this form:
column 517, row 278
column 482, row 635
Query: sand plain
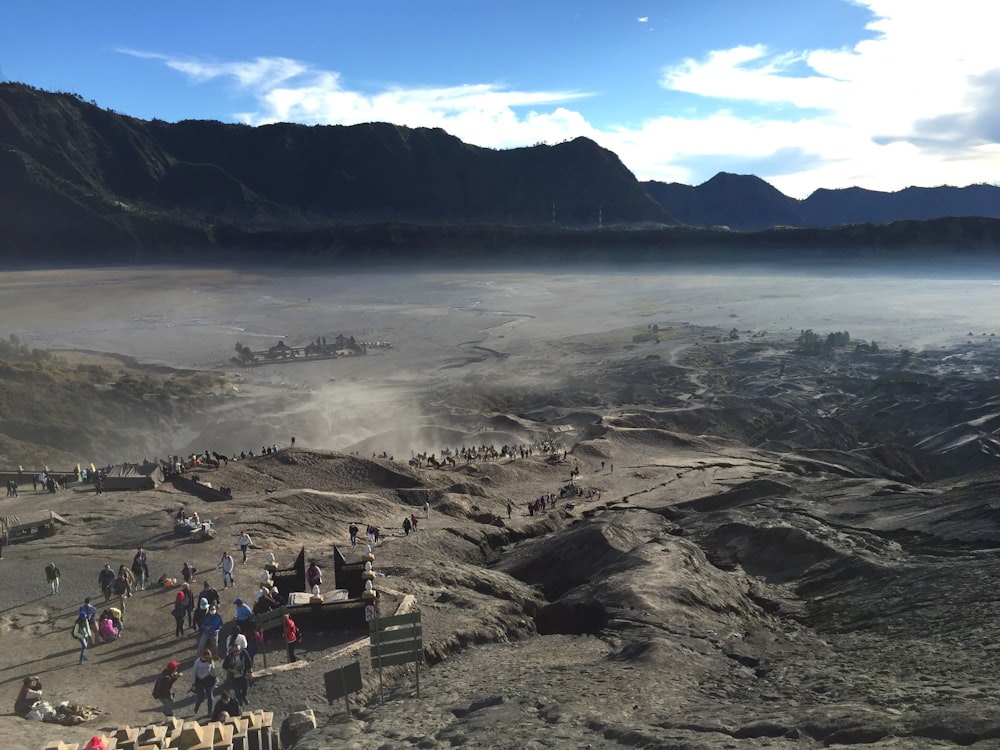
column 475, row 358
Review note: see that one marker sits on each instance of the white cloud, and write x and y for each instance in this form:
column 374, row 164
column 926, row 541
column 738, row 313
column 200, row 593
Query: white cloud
column 874, row 114
column 913, row 104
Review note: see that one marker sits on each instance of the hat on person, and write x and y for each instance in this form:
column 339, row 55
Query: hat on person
column 238, row 601
column 172, row 666
column 203, row 604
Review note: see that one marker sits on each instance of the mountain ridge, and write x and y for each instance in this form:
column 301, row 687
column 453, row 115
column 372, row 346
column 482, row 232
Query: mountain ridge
column 748, row 203
column 83, row 185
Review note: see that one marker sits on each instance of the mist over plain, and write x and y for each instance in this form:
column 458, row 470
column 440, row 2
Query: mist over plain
column 456, row 337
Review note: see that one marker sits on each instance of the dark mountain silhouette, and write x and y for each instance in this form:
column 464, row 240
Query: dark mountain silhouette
column 747, row 203
column 71, row 172
column 84, row 185
column 737, row 201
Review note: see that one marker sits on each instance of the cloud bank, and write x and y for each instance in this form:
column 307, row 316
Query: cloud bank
column 915, row 101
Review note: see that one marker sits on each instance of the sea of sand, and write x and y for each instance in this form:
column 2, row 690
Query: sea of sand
column 473, row 358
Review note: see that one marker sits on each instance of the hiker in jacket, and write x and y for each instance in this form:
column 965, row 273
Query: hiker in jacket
column 211, row 624
column 203, row 679
column 81, row 631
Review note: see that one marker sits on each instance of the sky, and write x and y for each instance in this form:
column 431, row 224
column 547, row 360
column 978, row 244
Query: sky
column 806, row 94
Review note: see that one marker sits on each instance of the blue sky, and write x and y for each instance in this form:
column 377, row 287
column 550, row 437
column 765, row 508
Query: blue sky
column 806, row 94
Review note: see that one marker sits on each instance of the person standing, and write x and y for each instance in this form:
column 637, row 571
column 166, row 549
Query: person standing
column 81, row 631
column 203, row 679
column 187, row 573
column 406, row 526
column 314, row 576
column 291, row 636
column 228, row 565
column 209, row 594
column 244, row 613
column 427, row 508
column 106, row 580
column 245, row 543
column 353, row 530
column 237, row 663
column 180, row 610
column 211, row 624
column 52, row 576
column 163, row 688
column 140, row 569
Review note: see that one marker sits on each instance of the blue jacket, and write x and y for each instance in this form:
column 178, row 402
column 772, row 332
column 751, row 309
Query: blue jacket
column 211, row 624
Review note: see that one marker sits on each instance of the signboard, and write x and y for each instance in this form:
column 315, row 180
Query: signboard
column 268, row 621
column 341, row 682
column 395, row 641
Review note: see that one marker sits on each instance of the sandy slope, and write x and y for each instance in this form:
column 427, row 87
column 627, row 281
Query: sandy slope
column 768, row 554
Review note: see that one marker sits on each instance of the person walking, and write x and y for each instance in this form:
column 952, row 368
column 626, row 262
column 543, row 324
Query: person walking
column 240, row 669
column 228, row 565
column 245, row 543
column 203, row 679
column 163, row 688
column 406, row 526
column 353, row 530
column 52, row 576
column 81, row 631
column 291, row 636
column 89, row 611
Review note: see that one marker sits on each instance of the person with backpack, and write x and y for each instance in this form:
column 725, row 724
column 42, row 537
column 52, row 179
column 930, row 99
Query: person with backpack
column 52, row 577
column 245, row 542
column 81, row 631
column 228, row 564
column 237, row 663
column 89, row 611
column 163, row 688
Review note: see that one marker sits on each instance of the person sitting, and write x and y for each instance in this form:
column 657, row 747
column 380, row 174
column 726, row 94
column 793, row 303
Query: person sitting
column 31, row 691
column 227, row 704
column 106, row 627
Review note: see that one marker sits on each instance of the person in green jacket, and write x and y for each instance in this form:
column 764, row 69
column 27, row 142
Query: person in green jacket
column 81, row 631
